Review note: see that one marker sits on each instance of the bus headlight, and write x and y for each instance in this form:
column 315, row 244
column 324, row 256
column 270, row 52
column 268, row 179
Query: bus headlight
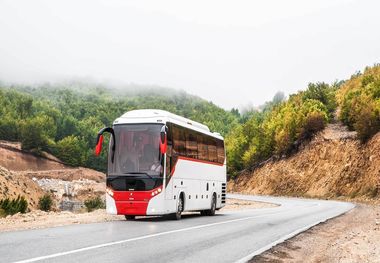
column 156, row 192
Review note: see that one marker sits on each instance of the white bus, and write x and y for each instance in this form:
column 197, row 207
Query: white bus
column 160, row 163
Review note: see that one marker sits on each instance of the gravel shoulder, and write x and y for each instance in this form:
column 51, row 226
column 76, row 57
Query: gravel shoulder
column 40, row 219
column 352, row 237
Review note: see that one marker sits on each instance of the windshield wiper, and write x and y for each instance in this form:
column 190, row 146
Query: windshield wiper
column 139, row 173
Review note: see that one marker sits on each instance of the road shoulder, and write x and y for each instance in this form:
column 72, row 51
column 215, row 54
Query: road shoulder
column 352, row 237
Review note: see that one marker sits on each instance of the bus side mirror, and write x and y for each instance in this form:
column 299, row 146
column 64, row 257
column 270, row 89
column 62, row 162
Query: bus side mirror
column 99, row 144
column 163, row 140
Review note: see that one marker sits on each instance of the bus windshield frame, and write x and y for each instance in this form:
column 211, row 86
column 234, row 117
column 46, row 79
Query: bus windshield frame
column 137, row 151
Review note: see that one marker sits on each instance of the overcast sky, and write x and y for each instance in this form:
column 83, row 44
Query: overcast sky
column 230, row 52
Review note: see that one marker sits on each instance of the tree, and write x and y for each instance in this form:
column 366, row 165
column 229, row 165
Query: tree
column 70, row 150
column 37, row 133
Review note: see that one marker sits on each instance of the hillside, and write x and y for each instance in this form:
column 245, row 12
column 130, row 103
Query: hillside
column 63, row 119
column 334, row 164
column 25, row 174
column 13, row 184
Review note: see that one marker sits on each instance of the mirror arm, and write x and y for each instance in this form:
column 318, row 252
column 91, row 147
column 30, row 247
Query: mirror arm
column 110, row 130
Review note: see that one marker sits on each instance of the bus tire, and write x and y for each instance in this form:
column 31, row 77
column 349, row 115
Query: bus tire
column 211, row 211
column 177, row 215
column 128, row 217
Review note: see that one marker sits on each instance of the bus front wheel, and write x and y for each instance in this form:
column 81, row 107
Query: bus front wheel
column 178, row 214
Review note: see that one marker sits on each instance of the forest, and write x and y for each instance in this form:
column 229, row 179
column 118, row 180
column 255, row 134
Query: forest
column 63, row 119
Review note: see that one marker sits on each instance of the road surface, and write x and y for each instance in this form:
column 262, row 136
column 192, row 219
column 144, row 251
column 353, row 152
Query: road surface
column 234, row 236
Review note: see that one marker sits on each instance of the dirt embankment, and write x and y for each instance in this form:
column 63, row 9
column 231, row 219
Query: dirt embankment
column 334, row 164
column 28, row 175
column 15, row 159
column 13, row 184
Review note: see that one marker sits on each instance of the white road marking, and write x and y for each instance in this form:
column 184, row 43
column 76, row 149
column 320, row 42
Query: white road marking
column 134, row 239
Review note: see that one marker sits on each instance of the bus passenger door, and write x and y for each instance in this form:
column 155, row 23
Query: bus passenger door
column 169, row 181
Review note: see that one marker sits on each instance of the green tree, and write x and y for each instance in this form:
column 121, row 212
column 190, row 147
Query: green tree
column 70, row 150
column 37, row 133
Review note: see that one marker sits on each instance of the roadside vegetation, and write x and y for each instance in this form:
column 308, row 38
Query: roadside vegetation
column 94, row 204
column 12, row 206
column 45, row 203
column 359, row 100
column 280, row 127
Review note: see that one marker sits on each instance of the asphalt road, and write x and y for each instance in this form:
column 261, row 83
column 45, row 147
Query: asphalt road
column 234, row 236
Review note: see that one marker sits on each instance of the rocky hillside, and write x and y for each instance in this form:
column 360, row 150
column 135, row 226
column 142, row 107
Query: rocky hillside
column 25, row 174
column 334, row 164
column 13, row 184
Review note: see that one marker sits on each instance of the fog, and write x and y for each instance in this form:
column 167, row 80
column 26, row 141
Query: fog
column 234, row 53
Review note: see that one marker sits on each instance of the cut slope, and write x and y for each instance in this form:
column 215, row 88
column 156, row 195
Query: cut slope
column 25, row 174
column 333, row 164
column 15, row 159
column 13, row 184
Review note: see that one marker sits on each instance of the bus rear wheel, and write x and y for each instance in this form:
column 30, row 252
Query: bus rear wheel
column 127, row 217
column 211, row 211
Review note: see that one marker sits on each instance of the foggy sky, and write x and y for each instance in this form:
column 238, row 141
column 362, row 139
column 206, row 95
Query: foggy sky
column 230, row 52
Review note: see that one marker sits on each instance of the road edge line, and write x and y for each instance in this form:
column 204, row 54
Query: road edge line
column 288, row 236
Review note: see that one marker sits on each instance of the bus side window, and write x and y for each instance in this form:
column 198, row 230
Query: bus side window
column 179, row 141
column 202, row 148
column 212, row 155
column 191, row 145
column 220, row 151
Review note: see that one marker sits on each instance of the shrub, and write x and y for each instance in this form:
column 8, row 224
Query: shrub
column 359, row 100
column 314, row 122
column 13, row 206
column 2, row 213
column 94, row 203
column 45, row 203
column 367, row 122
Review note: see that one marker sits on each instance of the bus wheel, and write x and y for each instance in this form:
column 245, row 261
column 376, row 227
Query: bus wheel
column 211, row 211
column 178, row 214
column 130, row 217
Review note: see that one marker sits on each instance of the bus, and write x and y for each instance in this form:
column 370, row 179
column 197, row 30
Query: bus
column 160, row 163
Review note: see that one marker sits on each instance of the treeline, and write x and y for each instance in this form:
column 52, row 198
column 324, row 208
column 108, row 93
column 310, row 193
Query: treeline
column 64, row 120
column 359, row 100
column 280, row 127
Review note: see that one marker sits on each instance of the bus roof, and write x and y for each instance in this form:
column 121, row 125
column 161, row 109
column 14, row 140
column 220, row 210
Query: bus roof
column 155, row 115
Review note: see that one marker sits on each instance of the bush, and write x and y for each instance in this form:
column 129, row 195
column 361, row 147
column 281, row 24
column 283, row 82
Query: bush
column 2, row 213
column 45, row 203
column 94, row 203
column 314, row 122
column 359, row 100
column 367, row 122
column 322, row 92
column 13, row 206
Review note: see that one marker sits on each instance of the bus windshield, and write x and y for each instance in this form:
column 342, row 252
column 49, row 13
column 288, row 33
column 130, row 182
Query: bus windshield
column 137, row 150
